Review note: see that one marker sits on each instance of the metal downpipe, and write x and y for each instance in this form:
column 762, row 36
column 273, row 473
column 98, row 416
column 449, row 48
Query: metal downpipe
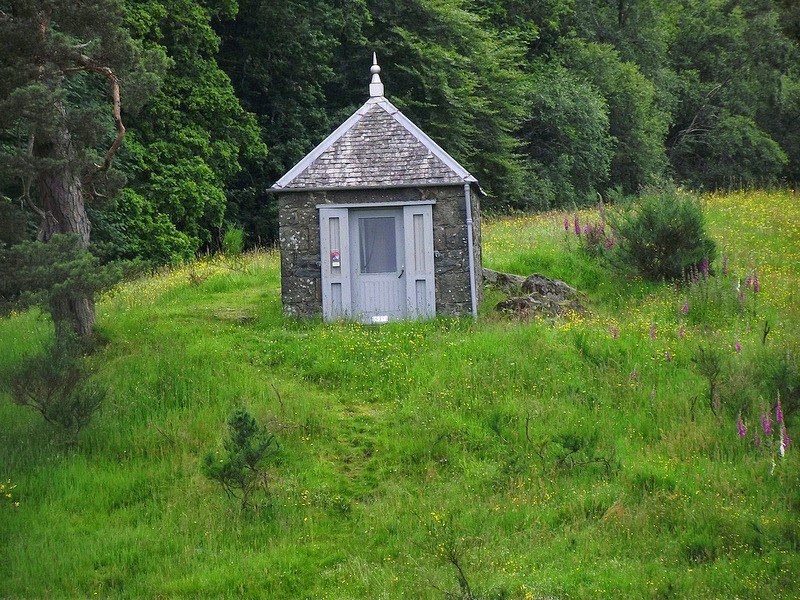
column 470, row 250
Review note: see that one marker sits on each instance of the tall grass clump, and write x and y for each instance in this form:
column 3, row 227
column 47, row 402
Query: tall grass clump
column 233, row 241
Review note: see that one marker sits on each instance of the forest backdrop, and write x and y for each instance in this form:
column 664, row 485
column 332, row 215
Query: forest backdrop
column 547, row 103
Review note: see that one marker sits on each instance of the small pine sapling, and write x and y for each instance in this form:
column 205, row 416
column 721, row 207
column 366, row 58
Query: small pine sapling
column 240, row 469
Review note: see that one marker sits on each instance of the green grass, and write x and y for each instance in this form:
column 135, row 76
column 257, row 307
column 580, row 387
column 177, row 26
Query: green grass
column 547, row 458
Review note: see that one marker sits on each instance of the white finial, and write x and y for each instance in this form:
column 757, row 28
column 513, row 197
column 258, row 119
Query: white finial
column 375, row 86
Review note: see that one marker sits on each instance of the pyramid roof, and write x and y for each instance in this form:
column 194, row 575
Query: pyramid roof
column 377, row 147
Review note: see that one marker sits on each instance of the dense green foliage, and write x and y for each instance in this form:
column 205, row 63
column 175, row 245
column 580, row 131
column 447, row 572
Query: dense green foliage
column 186, row 143
column 548, row 104
column 579, row 457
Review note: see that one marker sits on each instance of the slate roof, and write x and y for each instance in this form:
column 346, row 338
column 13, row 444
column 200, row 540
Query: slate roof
column 376, row 147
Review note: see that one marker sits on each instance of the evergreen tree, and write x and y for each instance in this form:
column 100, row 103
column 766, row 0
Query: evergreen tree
column 61, row 63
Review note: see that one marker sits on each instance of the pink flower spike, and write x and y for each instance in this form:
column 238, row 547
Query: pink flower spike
column 566, row 224
column 756, row 285
column 668, row 356
column 766, row 423
column 779, row 411
column 614, row 332
column 577, row 226
column 681, row 332
column 787, row 441
column 652, row 331
column 685, row 307
column 737, row 346
column 741, row 427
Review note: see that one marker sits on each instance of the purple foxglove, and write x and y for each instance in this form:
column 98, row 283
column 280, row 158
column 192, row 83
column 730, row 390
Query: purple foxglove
column 766, row 423
column 741, row 428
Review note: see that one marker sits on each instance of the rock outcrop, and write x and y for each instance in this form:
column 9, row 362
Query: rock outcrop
column 534, row 295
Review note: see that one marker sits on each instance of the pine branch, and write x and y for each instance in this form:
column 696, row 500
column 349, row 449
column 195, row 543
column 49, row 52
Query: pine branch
column 87, row 64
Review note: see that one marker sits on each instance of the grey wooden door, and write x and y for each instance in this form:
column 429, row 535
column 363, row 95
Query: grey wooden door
column 377, row 265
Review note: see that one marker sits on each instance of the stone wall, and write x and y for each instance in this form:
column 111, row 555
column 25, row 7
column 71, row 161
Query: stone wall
column 300, row 244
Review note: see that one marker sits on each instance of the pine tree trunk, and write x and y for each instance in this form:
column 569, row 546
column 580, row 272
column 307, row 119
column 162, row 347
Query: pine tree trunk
column 60, row 193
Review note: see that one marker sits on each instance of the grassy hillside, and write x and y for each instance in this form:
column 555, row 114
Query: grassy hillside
column 579, row 457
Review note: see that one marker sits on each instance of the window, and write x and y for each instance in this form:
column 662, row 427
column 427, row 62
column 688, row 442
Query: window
column 378, row 244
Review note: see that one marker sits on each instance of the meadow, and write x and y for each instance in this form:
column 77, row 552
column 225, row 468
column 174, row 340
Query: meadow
column 581, row 456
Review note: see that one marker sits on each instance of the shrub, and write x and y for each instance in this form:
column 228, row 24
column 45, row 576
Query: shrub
column 664, row 236
column 55, row 384
column 240, row 469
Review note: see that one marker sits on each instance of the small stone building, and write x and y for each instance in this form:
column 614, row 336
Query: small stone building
column 378, row 223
